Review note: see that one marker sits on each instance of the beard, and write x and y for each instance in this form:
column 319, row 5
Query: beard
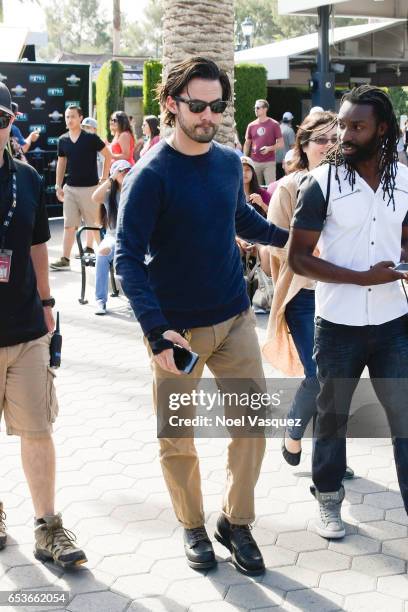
column 198, row 133
column 364, row 152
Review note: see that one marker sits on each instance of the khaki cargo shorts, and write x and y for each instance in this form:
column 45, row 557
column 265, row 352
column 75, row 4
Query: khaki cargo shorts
column 27, row 393
column 78, row 205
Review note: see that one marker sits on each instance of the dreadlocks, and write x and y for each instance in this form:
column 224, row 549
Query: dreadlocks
column 388, row 156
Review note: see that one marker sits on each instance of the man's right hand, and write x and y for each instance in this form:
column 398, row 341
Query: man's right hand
column 381, row 273
column 165, row 359
column 60, row 194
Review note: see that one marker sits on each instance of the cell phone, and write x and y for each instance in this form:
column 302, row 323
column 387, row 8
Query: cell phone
column 185, row 360
column 401, row 267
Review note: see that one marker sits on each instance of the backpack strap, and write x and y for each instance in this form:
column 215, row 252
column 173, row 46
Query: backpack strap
column 327, row 198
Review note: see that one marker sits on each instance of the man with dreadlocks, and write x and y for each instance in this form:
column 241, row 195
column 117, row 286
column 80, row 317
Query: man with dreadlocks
column 355, row 205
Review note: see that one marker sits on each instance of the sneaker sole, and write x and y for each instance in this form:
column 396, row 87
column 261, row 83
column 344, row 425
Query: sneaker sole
column 43, row 557
column 329, row 535
column 235, row 563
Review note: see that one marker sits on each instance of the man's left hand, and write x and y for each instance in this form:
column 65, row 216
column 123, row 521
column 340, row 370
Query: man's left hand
column 49, row 319
column 265, row 150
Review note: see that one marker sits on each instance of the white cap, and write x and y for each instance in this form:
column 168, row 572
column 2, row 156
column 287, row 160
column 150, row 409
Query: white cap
column 287, row 116
column 119, row 165
column 289, row 156
column 316, row 109
column 89, row 122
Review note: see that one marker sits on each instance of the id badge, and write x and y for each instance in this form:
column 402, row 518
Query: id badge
column 5, row 265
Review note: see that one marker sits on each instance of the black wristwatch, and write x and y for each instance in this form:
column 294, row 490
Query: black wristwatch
column 48, row 302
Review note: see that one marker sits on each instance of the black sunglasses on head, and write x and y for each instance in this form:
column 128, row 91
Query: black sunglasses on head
column 199, row 106
column 5, row 120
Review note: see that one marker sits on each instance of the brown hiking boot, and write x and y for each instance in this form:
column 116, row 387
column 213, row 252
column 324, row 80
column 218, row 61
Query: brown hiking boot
column 3, row 534
column 55, row 543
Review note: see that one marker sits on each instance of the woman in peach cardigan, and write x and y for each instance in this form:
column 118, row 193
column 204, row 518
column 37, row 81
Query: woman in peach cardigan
column 290, row 334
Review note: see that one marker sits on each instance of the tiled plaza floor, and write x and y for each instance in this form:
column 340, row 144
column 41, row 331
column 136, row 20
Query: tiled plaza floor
column 112, row 494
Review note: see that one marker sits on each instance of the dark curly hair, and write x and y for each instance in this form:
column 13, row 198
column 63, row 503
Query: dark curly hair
column 388, row 156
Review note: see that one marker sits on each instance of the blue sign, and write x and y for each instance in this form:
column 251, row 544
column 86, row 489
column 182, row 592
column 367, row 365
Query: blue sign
column 22, row 117
column 38, row 127
column 72, row 103
column 19, row 91
column 55, row 91
column 52, row 141
column 37, row 78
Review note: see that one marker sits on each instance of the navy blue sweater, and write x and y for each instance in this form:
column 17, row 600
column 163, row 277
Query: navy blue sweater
column 184, row 212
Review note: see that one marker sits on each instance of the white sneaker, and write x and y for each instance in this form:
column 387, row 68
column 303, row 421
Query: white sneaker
column 100, row 308
column 329, row 523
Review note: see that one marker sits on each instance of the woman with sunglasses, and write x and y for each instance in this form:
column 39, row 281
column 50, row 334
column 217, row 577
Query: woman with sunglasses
column 107, row 195
column 123, row 143
column 151, row 132
column 290, row 334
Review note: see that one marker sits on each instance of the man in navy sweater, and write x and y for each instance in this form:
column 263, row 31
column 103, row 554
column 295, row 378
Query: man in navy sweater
column 183, row 204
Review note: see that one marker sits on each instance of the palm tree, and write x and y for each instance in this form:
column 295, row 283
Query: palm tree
column 116, row 27
column 201, row 27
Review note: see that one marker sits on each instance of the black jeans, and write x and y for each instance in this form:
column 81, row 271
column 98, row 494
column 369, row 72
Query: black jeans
column 341, row 353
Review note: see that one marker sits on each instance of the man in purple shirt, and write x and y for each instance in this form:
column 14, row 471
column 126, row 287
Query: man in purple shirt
column 263, row 137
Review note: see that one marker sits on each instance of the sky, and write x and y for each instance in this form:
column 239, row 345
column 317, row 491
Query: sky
column 33, row 15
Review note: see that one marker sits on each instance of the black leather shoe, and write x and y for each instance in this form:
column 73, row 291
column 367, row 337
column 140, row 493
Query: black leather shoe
column 198, row 548
column 291, row 458
column 245, row 553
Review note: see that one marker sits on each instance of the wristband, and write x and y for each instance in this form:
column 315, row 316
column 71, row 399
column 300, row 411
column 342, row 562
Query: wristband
column 157, row 342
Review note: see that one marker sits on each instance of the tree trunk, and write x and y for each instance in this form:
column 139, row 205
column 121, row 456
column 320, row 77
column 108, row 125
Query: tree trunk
column 116, row 27
column 1, row 12
column 201, row 27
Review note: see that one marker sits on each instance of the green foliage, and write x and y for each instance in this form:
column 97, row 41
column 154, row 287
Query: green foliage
column 152, row 72
column 132, row 91
column 76, row 25
column 399, row 99
column 109, row 95
column 270, row 27
column 250, row 85
column 144, row 37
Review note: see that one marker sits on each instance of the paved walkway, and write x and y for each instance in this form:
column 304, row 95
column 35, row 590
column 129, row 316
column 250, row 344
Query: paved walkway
column 111, row 492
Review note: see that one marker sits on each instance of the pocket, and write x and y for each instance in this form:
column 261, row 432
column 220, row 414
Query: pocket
column 52, row 402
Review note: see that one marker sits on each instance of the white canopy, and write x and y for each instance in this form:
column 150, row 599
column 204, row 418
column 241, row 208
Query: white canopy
column 363, row 8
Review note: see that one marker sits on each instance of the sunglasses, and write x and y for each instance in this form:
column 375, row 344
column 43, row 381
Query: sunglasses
column 124, row 170
column 5, row 120
column 321, row 140
column 199, row 106
column 114, row 120
column 258, row 107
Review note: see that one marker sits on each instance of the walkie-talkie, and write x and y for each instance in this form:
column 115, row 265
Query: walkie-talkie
column 55, row 346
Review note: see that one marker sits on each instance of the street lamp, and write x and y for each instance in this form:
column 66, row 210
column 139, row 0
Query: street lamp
column 247, row 30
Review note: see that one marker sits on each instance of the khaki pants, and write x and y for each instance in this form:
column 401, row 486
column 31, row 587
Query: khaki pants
column 230, row 350
column 265, row 172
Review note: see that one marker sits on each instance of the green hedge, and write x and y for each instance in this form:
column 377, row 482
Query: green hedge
column 132, row 91
column 109, row 95
column 152, row 74
column 250, row 85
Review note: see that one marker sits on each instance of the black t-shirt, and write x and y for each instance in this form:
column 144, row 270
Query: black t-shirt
column 82, row 169
column 21, row 311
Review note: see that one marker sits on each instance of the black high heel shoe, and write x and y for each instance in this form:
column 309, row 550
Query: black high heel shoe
column 291, row 458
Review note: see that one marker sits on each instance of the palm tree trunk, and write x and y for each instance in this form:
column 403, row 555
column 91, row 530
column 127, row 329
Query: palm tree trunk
column 201, row 27
column 116, row 27
column 1, row 11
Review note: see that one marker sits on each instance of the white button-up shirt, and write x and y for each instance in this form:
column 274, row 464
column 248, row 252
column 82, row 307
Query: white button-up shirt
column 359, row 230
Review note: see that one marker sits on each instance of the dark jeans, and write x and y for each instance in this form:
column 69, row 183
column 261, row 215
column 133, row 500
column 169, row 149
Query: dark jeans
column 341, row 353
column 279, row 171
column 299, row 314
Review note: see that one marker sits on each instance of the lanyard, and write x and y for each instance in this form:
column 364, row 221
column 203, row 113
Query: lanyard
column 9, row 216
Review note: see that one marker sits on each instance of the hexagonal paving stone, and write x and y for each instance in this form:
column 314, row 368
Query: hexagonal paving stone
column 361, row 485
column 195, row 590
column 386, row 500
column 382, row 530
column 355, row 545
column 291, row 578
column 216, row 606
column 82, row 580
column 347, row 582
column 114, row 544
column 396, row 548
column 323, row 561
column 274, row 556
column 156, row 604
column 313, row 600
column 95, row 602
column 394, row 586
column 367, row 602
column 254, row 596
column 301, row 541
column 124, row 565
column 378, row 565
column 397, row 516
column 140, row 585
column 360, row 513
